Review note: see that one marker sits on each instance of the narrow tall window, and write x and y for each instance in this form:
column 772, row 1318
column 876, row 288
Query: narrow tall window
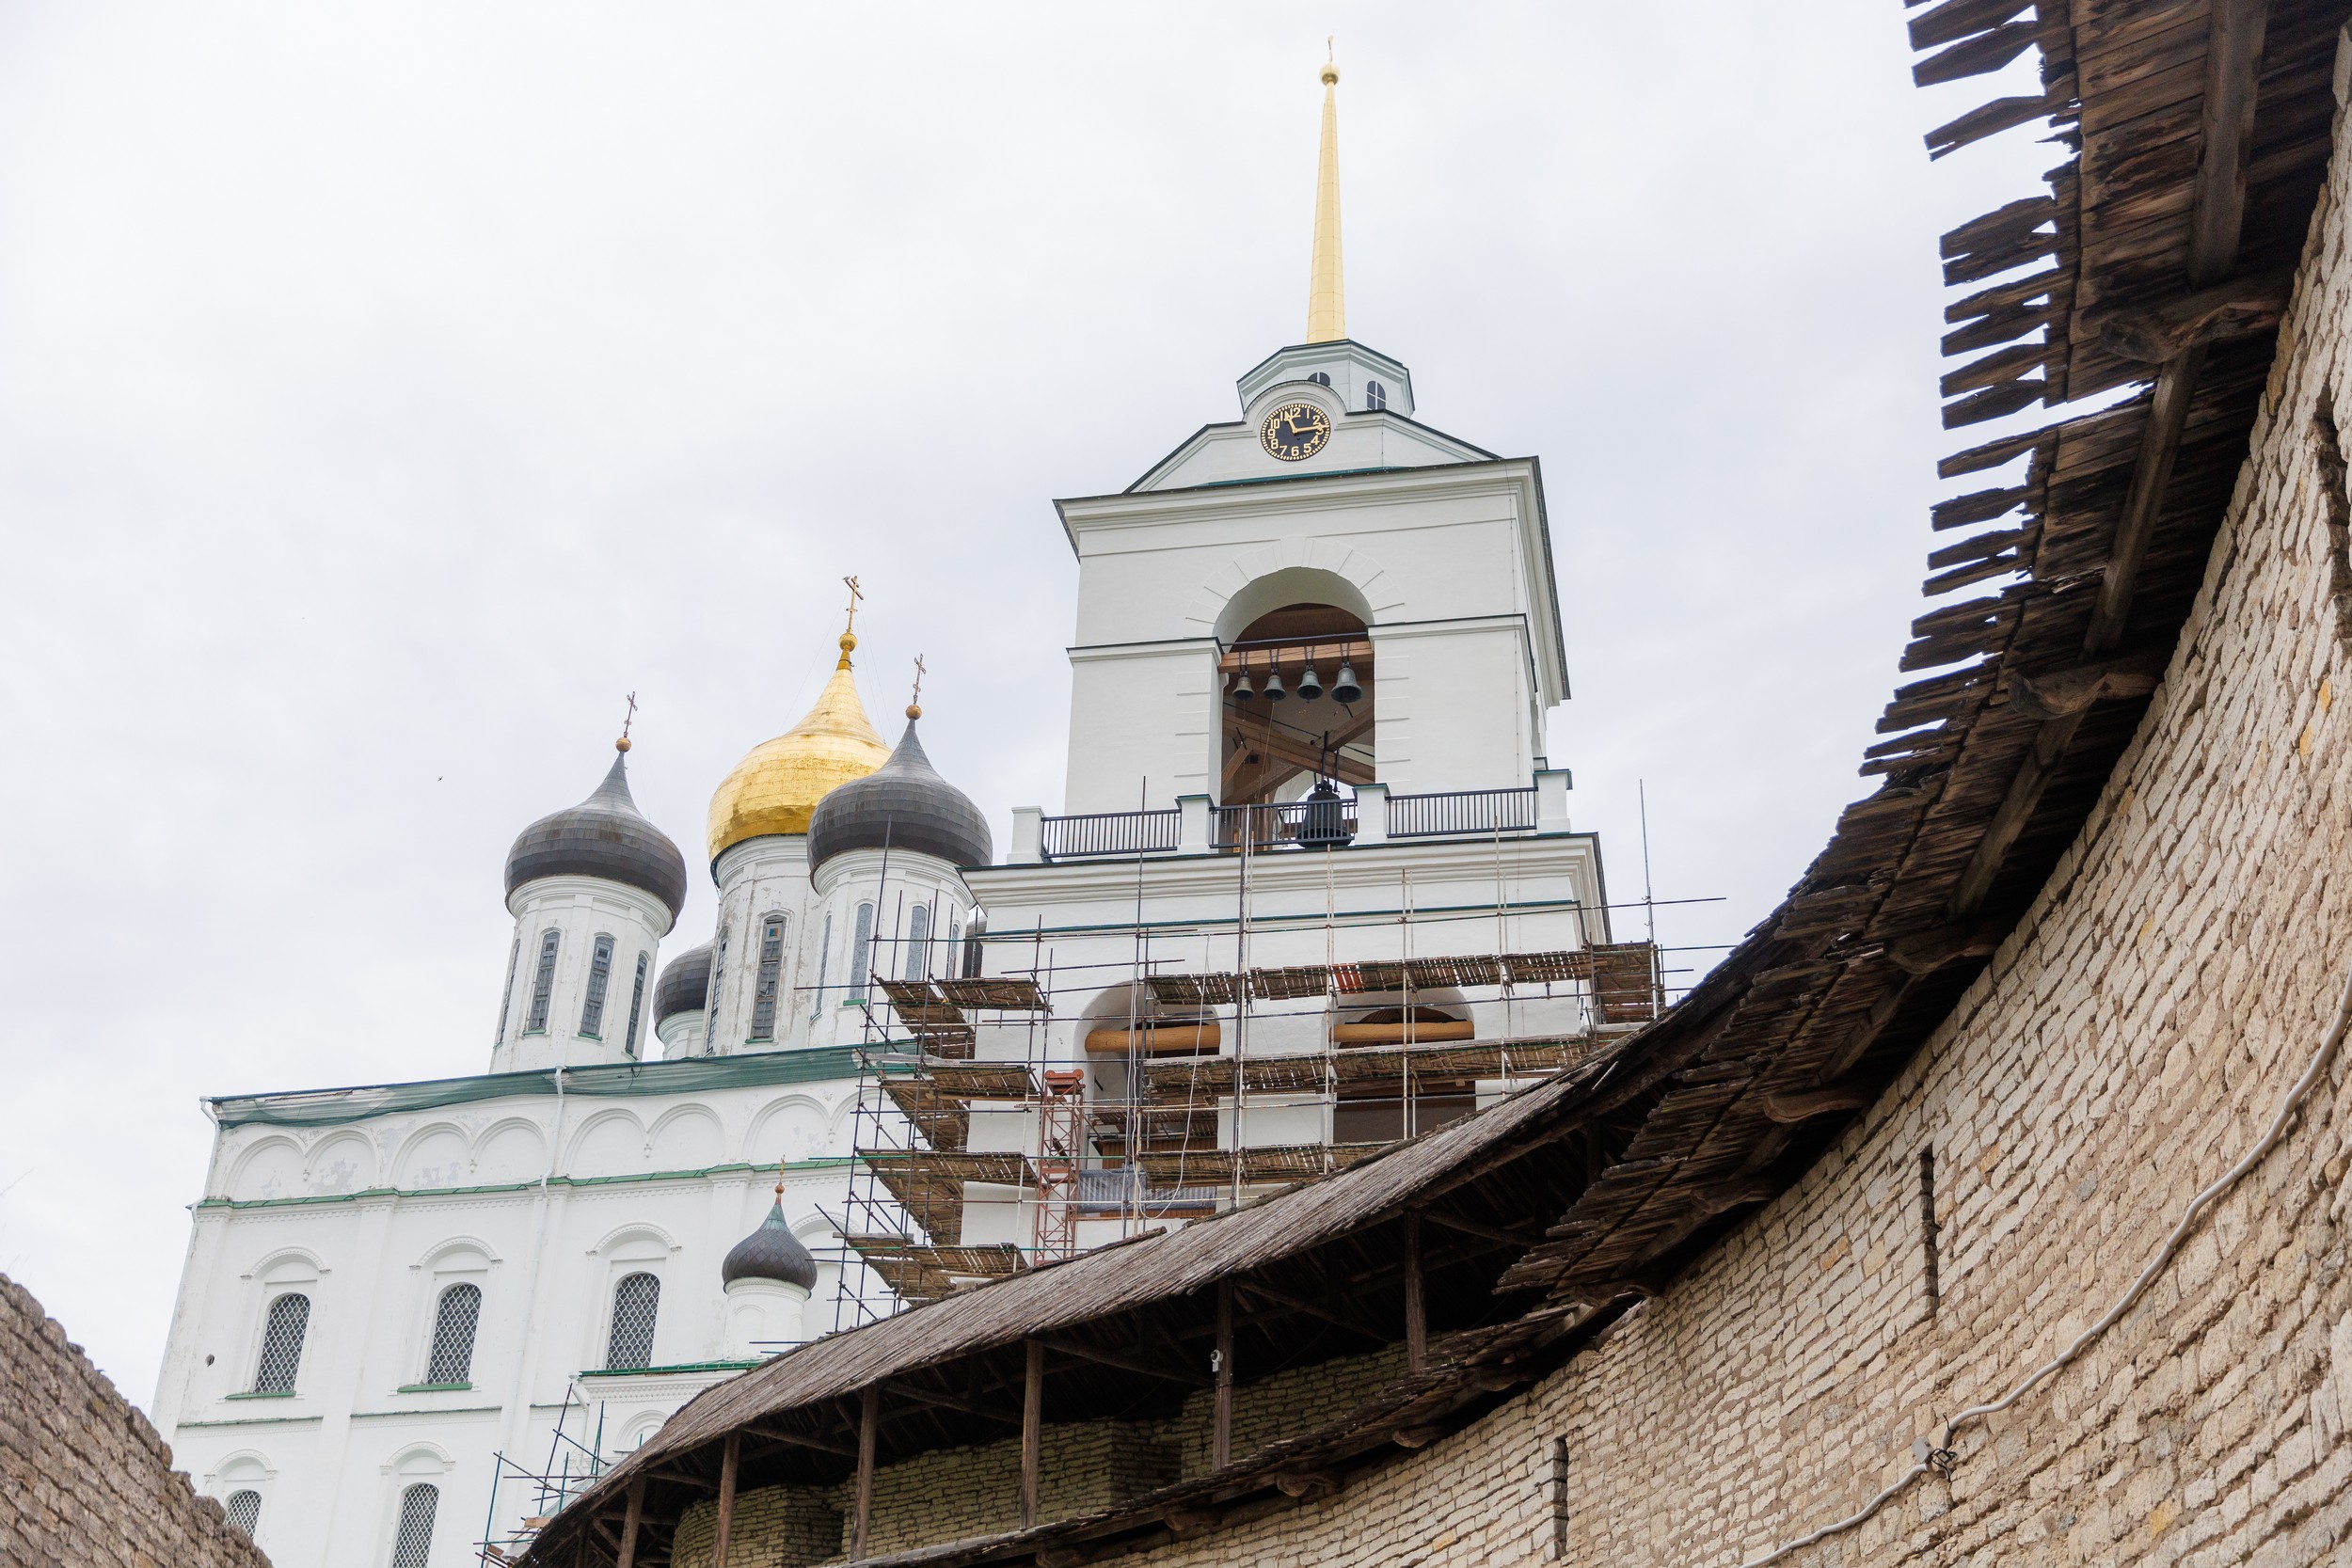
column 599, row 980
column 771, row 975
column 635, row 1302
column 453, row 1321
column 1376, row 395
column 281, row 1344
column 637, row 1002
column 824, row 965
column 919, row 942
column 859, row 956
column 1929, row 1238
column 542, row 983
column 710, row 1008
column 1559, row 1499
column 506, row 998
column 245, row 1511
column 412, row 1542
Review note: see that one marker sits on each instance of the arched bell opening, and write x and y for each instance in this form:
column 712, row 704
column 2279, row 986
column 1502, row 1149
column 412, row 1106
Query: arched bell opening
column 1297, row 704
column 1122, row 1031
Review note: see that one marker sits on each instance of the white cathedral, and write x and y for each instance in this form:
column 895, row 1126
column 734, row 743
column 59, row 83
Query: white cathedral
column 1314, row 888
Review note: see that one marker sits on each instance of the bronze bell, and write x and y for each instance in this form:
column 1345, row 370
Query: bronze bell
column 1345, row 690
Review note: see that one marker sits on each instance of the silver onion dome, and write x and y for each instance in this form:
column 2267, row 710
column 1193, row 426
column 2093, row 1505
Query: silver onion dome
column 903, row 804
column 770, row 1252
column 604, row 836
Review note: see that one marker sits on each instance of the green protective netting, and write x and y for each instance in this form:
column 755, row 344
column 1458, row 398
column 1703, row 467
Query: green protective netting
column 318, row 1107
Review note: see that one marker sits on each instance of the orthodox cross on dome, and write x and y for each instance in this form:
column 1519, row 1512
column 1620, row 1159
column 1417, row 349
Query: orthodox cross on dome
column 621, row 744
column 914, row 704
column 1326, row 301
column 849, row 631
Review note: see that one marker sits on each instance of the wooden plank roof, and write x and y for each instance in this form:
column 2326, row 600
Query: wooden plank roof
column 2157, row 257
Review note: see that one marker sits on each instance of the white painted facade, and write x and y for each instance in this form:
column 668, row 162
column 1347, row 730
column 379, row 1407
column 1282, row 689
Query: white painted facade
column 578, row 1163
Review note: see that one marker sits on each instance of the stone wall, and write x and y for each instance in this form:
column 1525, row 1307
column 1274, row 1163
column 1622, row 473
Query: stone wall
column 84, row 1480
column 2128, row 1042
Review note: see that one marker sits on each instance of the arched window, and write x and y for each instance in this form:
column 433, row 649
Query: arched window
column 281, row 1344
column 245, row 1511
column 412, row 1541
column 710, row 1007
column 1319, row 378
column 635, row 1302
column 825, row 966
column 1376, row 395
column 506, row 1000
column 542, row 983
column 637, row 1002
column 771, row 975
column 919, row 942
column 599, row 980
column 453, row 1321
column 859, row 956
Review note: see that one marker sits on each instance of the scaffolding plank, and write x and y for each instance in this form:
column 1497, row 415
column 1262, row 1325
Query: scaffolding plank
column 1003, row 1167
column 1527, row 969
column 1000, row 993
column 1292, row 983
column 1195, row 991
column 965, row 1080
column 943, row 1119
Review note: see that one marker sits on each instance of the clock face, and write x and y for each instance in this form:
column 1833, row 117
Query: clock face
column 1295, row 430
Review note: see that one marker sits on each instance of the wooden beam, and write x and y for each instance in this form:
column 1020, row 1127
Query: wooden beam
column 1803, row 1105
column 1471, row 1227
column 2238, row 308
column 2034, row 774
column 1032, row 1430
column 801, row 1440
column 1221, row 1362
column 1125, row 1363
column 2233, row 53
column 2168, row 416
column 730, row 1463
column 1312, row 1310
column 1416, row 1309
column 868, row 1418
column 633, row 1521
column 950, row 1401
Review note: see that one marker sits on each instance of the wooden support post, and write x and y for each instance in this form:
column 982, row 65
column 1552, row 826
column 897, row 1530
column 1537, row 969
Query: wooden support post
column 1221, row 1438
column 730, row 1461
column 1416, row 1310
column 1032, row 1431
column 869, row 1421
column 631, row 1521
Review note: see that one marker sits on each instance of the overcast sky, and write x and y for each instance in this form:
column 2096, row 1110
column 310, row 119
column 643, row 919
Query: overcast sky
column 385, row 393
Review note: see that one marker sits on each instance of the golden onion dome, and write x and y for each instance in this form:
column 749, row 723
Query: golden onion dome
column 774, row 788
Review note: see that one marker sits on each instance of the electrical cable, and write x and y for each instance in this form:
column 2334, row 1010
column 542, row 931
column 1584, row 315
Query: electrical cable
column 1940, row 1456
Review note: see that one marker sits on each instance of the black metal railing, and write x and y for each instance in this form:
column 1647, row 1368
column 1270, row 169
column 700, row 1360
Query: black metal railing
column 1310, row 824
column 1109, row 833
column 1462, row 812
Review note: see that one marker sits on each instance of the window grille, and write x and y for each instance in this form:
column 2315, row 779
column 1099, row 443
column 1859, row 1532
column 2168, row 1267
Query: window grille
column 824, row 965
column 542, row 983
column 635, row 1302
column 412, row 1544
column 245, row 1511
column 919, row 942
column 859, row 956
column 281, row 1344
column 771, row 973
column 506, row 1000
column 1376, row 395
column 453, row 1323
column 600, row 979
column 710, row 1007
column 637, row 1003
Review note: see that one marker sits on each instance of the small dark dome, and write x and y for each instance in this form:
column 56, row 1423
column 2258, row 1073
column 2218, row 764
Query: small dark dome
column 604, row 836
column 684, row 985
column 905, row 804
column 772, row 1252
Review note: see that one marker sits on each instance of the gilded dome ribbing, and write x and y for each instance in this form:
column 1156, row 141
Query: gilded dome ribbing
column 775, row 788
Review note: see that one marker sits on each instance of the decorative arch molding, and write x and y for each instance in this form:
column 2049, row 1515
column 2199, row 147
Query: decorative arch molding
column 1293, row 571
column 779, row 1110
column 278, row 1266
column 241, row 1464
column 635, row 1231
column 278, row 1145
column 676, row 1114
column 434, row 1254
column 420, row 1458
column 593, row 1126
column 405, row 1160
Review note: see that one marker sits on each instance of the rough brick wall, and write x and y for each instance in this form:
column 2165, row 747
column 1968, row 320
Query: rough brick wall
column 84, row 1480
column 2126, row 1044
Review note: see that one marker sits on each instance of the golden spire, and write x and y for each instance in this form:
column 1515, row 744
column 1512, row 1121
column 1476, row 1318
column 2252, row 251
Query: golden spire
column 773, row 789
column 1327, row 300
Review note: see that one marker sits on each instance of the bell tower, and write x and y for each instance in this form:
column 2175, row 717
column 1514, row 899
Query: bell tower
column 1224, row 593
